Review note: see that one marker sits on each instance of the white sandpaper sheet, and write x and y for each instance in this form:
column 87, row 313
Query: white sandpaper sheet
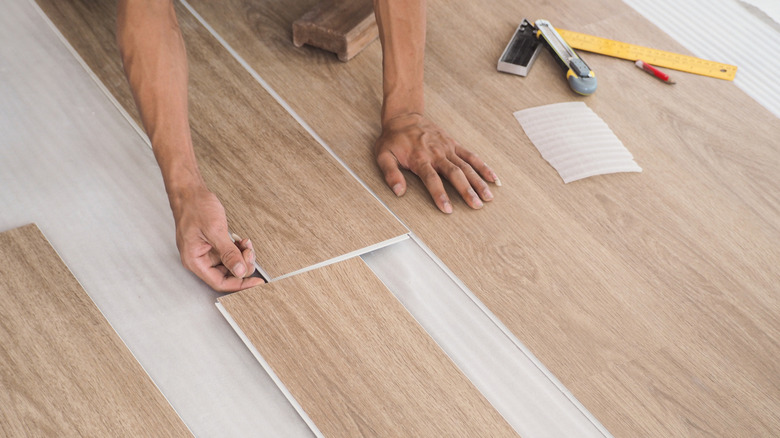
column 575, row 141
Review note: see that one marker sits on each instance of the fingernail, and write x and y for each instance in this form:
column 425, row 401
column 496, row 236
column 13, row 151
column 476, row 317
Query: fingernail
column 487, row 195
column 252, row 256
column 475, row 199
column 447, row 207
column 235, row 237
column 249, row 244
column 397, row 189
column 239, row 270
column 496, row 181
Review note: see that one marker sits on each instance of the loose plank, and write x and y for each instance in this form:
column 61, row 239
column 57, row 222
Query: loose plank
column 278, row 185
column 356, row 361
column 63, row 369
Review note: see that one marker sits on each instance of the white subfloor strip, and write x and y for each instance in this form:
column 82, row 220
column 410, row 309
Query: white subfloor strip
column 267, row 367
column 92, row 75
column 724, row 31
column 127, row 347
column 519, row 386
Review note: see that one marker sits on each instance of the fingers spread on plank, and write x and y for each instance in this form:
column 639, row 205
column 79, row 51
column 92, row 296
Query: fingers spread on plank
column 472, row 159
column 457, row 178
column 433, row 183
column 393, row 176
column 477, row 183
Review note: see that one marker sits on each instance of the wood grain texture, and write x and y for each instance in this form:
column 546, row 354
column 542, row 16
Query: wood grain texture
column 344, row 27
column 356, row 360
column 597, row 274
column 63, row 369
column 278, row 185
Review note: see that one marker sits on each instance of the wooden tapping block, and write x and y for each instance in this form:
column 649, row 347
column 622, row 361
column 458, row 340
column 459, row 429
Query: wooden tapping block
column 344, row 27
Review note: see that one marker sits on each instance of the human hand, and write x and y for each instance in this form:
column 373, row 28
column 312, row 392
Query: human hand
column 204, row 243
column 415, row 143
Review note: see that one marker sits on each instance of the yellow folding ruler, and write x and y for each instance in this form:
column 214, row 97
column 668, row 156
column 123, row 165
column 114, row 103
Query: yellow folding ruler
column 658, row 58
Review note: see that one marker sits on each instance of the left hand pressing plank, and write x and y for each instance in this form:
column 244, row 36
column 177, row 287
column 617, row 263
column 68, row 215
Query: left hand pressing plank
column 415, row 143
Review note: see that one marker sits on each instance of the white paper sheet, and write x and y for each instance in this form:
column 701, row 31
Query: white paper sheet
column 575, row 141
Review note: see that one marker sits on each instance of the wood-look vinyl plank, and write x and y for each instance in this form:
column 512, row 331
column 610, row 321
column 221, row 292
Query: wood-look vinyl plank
column 63, row 369
column 679, row 387
column 278, row 185
column 355, row 359
column 592, row 274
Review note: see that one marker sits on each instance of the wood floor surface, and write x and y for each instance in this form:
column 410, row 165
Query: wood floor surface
column 63, row 369
column 356, row 360
column 278, row 185
column 653, row 296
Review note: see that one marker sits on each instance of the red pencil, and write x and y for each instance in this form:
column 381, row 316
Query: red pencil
column 654, row 71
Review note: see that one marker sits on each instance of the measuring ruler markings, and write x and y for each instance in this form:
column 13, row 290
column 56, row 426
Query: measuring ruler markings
column 659, row 58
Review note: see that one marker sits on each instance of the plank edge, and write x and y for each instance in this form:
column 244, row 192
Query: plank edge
column 33, row 226
column 267, row 367
column 513, row 339
column 341, row 258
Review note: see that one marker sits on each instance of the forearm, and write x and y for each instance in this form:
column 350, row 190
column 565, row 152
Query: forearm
column 402, row 33
column 155, row 62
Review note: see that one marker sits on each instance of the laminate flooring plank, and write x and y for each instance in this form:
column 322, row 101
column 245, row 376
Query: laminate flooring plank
column 594, row 274
column 278, row 185
column 684, row 387
column 355, row 359
column 63, row 369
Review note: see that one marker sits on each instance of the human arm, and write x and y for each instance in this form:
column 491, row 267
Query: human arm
column 409, row 140
column 155, row 63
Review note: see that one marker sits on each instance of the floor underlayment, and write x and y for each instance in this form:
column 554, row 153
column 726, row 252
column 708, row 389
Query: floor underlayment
column 724, row 376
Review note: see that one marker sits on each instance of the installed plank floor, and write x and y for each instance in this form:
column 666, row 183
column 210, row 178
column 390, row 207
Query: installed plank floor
column 278, row 185
column 356, row 360
column 63, row 369
column 625, row 286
